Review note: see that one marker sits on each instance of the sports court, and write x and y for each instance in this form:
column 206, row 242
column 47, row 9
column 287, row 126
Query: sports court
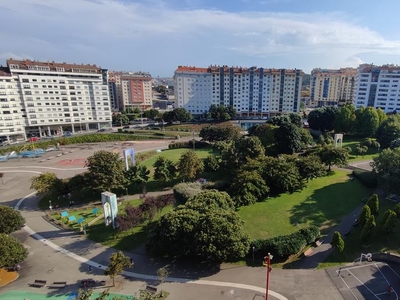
column 369, row 280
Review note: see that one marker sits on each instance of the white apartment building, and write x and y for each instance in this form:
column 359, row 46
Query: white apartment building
column 251, row 91
column 48, row 98
column 378, row 86
column 330, row 87
column 130, row 90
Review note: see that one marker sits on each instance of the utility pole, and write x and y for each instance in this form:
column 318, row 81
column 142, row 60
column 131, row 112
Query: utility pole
column 267, row 263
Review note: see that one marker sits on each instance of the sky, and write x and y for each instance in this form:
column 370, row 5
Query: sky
column 157, row 36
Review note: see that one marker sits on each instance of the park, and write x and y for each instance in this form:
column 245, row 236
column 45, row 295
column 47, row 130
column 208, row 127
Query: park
column 263, row 193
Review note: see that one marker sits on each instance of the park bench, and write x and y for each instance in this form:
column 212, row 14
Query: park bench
column 308, row 252
column 151, row 289
column 39, row 283
column 58, row 284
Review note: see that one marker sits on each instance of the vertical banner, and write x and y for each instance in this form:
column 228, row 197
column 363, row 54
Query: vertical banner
column 110, row 208
column 129, row 153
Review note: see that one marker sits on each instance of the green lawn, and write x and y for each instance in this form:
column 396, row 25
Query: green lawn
column 353, row 245
column 352, row 143
column 322, row 203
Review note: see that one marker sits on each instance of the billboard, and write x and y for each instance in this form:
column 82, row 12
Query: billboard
column 129, row 153
column 110, row 208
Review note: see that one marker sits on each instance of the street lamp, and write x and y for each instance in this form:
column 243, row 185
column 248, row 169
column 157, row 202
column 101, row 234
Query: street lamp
column 267, row 263
column 126, row 189
column 50, row 207
column 254, row 248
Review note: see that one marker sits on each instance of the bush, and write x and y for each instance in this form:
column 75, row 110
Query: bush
column 367, row 142
column 220, row 185
column 286, row 245
column 184, row 191
column 367, row 178
column 178, row 145
column 211, row 164
column 397, row 210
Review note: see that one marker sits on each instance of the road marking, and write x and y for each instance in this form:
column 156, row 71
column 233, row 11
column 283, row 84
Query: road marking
column 22, row 200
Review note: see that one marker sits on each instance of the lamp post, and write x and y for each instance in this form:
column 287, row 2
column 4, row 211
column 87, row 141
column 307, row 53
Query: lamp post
column 267, row 263
column 254, row 248
column 50, row 207
column 126, row 189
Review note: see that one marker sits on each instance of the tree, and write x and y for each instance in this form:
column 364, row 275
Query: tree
column 118, row 261
column 84, row 294
column 391, row 222
column 346, row 120
column 289, row 139
column 222, row 113
column 365, row 214
column 181, row 115
column 122, row 119
column 248, row 187
column 138, row 174
column 310, row 167
column 382, row 115
column 151, row 114
column 206, row 227
column 388, row 131
column 322, row 119
column 106, row 171
column 211, row 163
column 397, row 210
column 333, row 156
column 361, row 150
column 164, row 169
column 368, row 231
column 367, row 122
column 337, row 241
column 46, row 183
column 190, row 166
column 291, row 118
column 387, row 168
column 266, row 134
column 162, row 274
column 12, row 252
column 11, row 219
column 373, row 203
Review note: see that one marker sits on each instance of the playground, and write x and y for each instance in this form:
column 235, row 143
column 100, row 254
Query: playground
column 367, row 280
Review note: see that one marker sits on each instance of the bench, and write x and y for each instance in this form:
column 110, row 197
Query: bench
column 151, row 289
column 308, row 252
column 58, row 284
column 318, row 243
column 39, row 283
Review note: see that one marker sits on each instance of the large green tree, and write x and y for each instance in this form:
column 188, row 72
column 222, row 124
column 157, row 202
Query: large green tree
column 118, row 261
column 222, row 113
column 248, row 187
column 164, row 169
column 46, row 183
column 11, row 219
column 387, row 168
column 220, row 133
column 190, row 166
column 373, row 203
column 12, row 252
column 367, row 122
column 151, row 114
column 369, row 230
column 333, row 156
column 289, row 139
column 206, row 227
column 122, row 119
column 346, row 120
column 391, row 222
column 106, row 171
column 365, row 214
column 322, row 118
column 388, row 131
column 266, row 134
column 310, row 167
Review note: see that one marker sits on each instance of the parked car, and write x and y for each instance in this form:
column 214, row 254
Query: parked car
column 102, row 130
column 67, row 133
column 33, row 139
column 126, row 127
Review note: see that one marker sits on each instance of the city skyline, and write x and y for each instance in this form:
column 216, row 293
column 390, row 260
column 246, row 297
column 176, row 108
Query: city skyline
column 157, row 36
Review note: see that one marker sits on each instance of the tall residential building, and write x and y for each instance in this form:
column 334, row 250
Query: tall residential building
column 251, row 91
column 330, row 87
column 378, row 86
column 48, row 98
column 130, row 90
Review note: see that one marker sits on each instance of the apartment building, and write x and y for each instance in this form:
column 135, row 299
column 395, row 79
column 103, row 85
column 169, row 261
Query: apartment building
column 331, row 87
column 378, row 86
column 48, row 98
column 256, row 92
column 130, row 90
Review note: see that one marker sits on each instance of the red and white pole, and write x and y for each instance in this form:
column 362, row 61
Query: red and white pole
column 267, row 259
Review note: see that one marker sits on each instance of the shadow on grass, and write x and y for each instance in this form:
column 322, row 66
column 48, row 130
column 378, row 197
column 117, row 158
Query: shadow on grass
column 319, row 207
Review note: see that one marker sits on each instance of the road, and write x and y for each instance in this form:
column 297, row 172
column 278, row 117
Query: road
column 57, row 254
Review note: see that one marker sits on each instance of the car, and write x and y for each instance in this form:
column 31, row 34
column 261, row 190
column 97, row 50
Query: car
column 67, row 133
column 102, row 130
column 33, row 139
column 126, row 127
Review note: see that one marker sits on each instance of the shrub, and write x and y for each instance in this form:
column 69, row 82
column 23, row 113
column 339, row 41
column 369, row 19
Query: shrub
column 285, row 245
column 367, row 142
column 337, row 241
column 184, row 191
column 368, row 231
column 365, row 215
column 211, row 163
column 178, row 145
column 391, row 222
column 373, row 203
column 397, row 209
column 367, row 178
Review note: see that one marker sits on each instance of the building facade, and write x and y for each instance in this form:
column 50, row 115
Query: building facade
column 331, row 87
column 47, row 98
column 378, row 86
column 130, row 90
column 256, row 92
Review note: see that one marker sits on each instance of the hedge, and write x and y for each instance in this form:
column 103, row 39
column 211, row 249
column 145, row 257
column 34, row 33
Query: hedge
column 189, row 144
column 285, row 245
column 367, row 178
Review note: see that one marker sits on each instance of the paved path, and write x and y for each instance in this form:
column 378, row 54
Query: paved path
column 69, row 255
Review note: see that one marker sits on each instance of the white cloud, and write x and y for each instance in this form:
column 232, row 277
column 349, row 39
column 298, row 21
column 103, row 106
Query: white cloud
column 113, row 32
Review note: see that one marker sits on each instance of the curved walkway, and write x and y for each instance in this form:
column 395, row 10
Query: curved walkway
column 132, row 274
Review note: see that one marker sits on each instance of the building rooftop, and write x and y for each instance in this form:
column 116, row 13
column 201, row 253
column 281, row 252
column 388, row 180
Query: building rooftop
column 191, row 69
column 51, row 66
column 236, row 70
column 4, row 71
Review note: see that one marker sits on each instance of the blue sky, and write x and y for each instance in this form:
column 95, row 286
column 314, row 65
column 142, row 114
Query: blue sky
column 158, row 35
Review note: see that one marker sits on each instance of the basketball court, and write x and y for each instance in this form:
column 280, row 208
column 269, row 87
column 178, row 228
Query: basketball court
column 367, row 280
